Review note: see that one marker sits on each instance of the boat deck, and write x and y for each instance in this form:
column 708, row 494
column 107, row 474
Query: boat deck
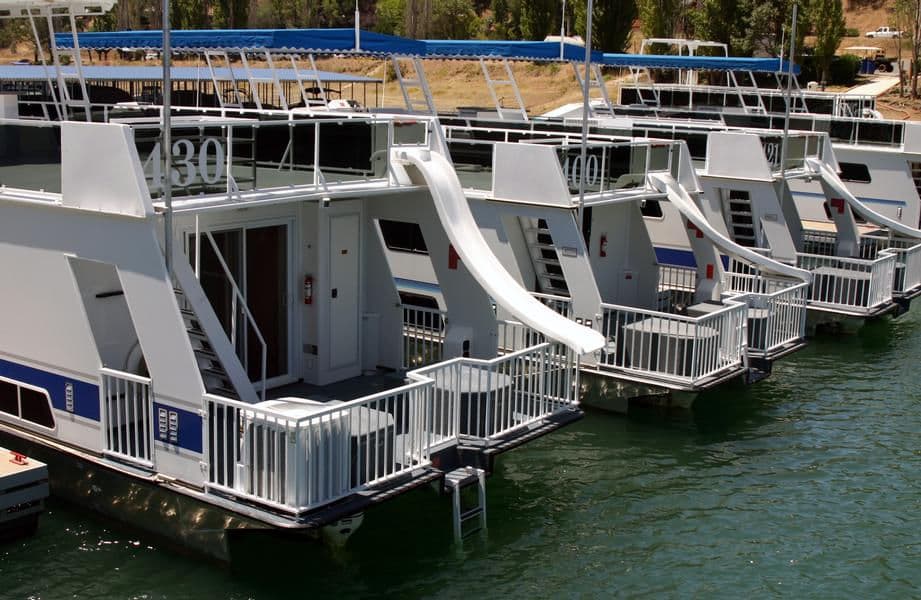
column 343, row 391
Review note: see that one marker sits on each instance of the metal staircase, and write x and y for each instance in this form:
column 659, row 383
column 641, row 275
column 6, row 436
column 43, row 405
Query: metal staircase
column 740, row 219
column 221, row 369
column 544, row 257
column 212, row 370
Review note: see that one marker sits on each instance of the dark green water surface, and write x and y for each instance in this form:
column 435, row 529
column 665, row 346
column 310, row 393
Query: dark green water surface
column 805, row 485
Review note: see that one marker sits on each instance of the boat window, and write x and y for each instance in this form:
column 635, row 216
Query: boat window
column 403, row 237
column 419, row 300
column 854, row 172
column 651, row 208
column 9, row 398
column 35, row 407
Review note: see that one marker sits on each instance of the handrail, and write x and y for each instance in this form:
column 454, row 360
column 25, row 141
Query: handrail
column 237, row 294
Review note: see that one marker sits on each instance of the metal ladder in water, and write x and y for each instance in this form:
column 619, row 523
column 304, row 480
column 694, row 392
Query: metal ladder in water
column 457, row 481
column 544, row 257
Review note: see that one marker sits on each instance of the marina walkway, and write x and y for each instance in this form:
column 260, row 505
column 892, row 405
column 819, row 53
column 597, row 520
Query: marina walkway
column 880, row 85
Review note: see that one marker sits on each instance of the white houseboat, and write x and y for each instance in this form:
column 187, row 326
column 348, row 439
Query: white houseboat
column 224, row 348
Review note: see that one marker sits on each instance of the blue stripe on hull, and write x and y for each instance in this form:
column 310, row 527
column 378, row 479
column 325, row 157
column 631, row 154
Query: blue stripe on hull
column 86, row 395
column 187, row 435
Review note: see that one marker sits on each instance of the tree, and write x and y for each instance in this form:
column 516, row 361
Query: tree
column 390, row 17
column 827, row 17
column 908, row 13
column 538, row 18
column 612, row 22
column 454, row 19
column 661, row 17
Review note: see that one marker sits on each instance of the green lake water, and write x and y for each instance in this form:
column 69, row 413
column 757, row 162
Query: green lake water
column 807, row 485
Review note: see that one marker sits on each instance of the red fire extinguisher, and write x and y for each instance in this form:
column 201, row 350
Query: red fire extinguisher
column 308, row 289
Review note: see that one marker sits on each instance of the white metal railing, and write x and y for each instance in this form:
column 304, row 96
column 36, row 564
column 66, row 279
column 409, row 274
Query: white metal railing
column 776, row 318
column 907, row 269
column 298, row 462
column 226, row 157
column 491, row 398
column 423, row 335
column 299, row 455
column 238, row 300
column 685, row 350
column 613, row 164
column 559, row 304
column 849, row 284
column 126, row 407
column 824, row 243
column 907, row 262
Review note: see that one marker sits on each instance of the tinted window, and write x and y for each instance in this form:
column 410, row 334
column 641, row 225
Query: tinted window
column 406, row 237
column 854, row 172
column 8, row 399
column 651, row 208
column 36, row 408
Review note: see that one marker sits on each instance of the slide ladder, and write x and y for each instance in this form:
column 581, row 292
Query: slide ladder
column 464, row 234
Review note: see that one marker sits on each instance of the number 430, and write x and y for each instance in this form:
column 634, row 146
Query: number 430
column 186, row 171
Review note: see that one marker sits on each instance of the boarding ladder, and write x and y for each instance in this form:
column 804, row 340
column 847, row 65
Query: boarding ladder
column 599, row 106
column 317, row 96
column 757, row 107
column 646, row 95
column 508, row 82
column 544, row 257
column 418, row 83
column 457, row 481
column 211, row 56
column 64, row 96
column 271, row 80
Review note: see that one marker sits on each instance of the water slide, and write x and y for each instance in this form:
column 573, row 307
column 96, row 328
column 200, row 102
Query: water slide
column 454, row 212
column 679, row 197
column 834, row 182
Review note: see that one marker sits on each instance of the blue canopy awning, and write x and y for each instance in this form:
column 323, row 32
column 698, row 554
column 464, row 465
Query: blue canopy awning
column 323, row 41
column 505, row 49
column 335, row 41
column 320, row 41
column 701, row 63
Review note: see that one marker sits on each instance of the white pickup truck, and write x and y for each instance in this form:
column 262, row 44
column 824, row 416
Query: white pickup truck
column 884, row 32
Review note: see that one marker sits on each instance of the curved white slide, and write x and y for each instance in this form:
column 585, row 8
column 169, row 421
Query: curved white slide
column 462, row 230
column 835, row 183
column 685, row 205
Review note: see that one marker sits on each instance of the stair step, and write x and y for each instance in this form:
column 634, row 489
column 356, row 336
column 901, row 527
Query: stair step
column 205, row 353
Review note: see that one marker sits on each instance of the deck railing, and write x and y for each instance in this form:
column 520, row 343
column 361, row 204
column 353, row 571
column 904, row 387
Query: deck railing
column 849, row 285
column 423, row 335
column 298, row 455
column 678, row 349
column 776, row 318
column 907, row 262
column 126, row 406
column 221, row 156
column 297, row 462
column 491, row 398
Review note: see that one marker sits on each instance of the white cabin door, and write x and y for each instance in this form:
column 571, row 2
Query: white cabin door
column 344, row 264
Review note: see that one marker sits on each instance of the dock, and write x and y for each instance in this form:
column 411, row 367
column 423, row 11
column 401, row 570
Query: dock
column 23, row 489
